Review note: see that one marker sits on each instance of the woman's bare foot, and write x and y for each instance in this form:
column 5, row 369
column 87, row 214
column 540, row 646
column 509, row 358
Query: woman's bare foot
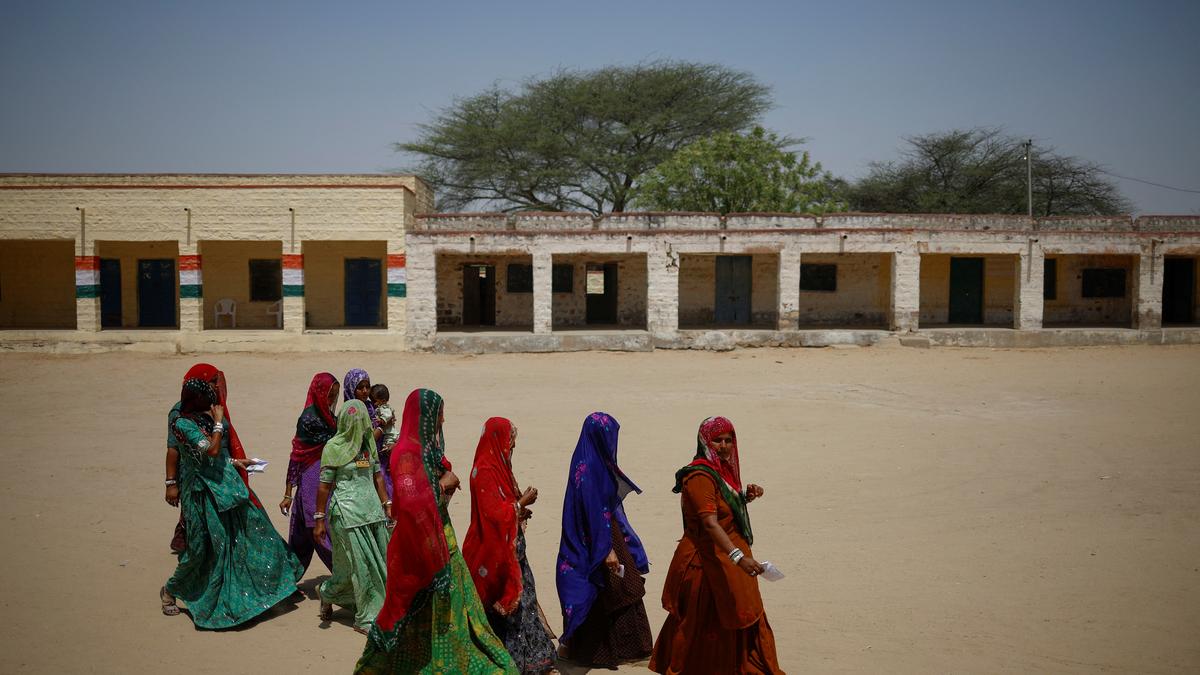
column 360, row 629
column 326, row 611
column 169, row 607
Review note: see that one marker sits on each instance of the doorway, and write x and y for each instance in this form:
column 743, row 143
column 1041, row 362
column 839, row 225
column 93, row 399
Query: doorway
column 1179, row 290
column 966, row 291
column 364, row 283
column 479, row 295
column 601, row 293
column 156, row 293
column 110, row 293
column 733, row 290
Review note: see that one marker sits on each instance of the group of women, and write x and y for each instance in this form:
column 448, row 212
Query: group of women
column 379, row 521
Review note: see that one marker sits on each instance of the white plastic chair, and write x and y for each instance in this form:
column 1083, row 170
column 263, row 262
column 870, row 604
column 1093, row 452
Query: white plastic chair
column 276, row 310
column 225, row 307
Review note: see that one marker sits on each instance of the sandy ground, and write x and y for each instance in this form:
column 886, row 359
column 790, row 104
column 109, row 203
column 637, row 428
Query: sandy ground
column 935, row 510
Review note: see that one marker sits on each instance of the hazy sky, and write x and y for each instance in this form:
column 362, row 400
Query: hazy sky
column 310, row 87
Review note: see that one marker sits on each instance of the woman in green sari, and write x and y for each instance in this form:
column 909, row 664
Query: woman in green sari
column 235, row 565
column 432, row 620
column 352, row 498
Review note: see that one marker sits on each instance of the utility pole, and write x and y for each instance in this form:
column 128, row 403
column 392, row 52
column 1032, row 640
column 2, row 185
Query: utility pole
column 1029, row 175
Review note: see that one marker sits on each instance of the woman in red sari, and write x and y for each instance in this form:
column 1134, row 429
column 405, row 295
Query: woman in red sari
column 207, row 373
column 431, row 619
column 494, row 549
column 715, row 618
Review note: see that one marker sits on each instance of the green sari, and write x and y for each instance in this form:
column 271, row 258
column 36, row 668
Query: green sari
column 235, row 566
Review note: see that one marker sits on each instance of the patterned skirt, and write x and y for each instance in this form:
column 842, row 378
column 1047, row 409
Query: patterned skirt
column 616, row 629
column 525, row 632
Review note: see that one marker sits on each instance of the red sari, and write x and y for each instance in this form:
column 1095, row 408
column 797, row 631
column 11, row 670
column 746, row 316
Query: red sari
column 490, row 546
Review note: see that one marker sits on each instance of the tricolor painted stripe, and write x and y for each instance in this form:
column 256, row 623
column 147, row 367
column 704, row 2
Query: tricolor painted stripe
column 87, row 276
column 293, row 275
column 190, row 277
column 189, row 262
column 397, row 275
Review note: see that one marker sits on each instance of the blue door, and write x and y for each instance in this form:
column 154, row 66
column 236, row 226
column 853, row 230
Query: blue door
column 364, row 289
column 110, row 293
column 156, row 293
column 732, row 303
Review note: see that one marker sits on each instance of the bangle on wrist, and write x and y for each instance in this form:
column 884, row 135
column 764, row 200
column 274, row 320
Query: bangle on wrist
column 288, row 497
column 171, row 481
column 735, row 555
column 387, row 503
column 319, row 515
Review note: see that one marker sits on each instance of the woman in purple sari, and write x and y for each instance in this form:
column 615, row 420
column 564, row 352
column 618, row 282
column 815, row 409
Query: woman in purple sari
column 314, row 428
column 357, row 384
column 600, row 559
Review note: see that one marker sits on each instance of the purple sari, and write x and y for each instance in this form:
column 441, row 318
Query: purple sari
column 596, row 487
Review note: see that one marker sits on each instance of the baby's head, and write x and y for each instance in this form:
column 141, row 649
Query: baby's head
column 379, row 394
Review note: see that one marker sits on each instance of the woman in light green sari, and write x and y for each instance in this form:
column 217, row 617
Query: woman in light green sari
column 352, row 498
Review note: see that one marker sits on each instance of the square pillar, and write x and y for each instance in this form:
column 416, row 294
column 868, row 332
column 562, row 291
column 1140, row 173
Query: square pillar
column 662, row 291
column 543, row 280
column 789, row 288
column 191, row 289
column 1030, row 289
column 87, row 292
column 421, row 309
column 397, row 287
column 906, row 291
column 1148, row 287
column 293, row 293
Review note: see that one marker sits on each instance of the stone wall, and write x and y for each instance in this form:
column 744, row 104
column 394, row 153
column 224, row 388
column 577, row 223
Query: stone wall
column 697, row 289
column 37, row 284
column 513, row 310
column 862, row 296
column 570, row 309
column 999, row 279
column 1069, row 307
column 227, row 275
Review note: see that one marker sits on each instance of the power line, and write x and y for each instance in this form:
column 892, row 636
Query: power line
column 1147, row 182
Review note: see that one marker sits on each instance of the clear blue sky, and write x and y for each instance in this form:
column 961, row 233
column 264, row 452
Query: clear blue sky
column 311, row 87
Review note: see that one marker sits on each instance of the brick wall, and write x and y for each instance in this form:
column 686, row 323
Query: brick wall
column 1070, row 307
column 513, row 310
column 862, row 296
column 570, row 309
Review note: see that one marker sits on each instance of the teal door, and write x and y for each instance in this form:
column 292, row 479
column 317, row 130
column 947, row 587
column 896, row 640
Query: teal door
column 156, row 293
column 364, row 289
column 966, row 290
column 732, row 303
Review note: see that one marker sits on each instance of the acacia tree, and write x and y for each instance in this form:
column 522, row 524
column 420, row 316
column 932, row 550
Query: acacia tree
column 732, row 172
column 983, row 171
column 578, row 139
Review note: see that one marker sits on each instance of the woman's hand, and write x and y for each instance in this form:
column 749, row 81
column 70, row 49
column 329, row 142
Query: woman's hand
column 218, row 412
column 387, row 510
column 753, row 492
column 524, row 513
column 319, row 530
column 285, row 506
column 528, row 497
column 750, row 566
column 611, row 561
column 173, row 495
column 449, row 483
column 242, row 464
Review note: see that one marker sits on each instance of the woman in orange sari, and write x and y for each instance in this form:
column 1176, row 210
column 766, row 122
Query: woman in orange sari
column 715, row 618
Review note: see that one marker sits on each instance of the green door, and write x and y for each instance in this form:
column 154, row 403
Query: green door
column 966, row 290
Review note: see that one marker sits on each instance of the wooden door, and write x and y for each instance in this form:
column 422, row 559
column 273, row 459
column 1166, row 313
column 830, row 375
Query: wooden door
column 731, row 305
column 363, row 291
column 111, row 309
column 966, row 290
column 1179, row 290
column 156, row 293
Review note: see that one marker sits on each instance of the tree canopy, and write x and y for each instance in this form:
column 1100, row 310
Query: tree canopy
column 579, row 140
column 733, row 172
column 983, row 170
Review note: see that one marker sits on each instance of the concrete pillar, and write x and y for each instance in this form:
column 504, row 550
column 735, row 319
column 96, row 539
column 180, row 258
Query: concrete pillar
column 662, row 292
column 293, row 293
column 906, row 291
column 397, row 287
column 421, row 310
column 789, row 288
column 191, row 289
column 1029, row 289
column 1148, row 287
column 543, row 279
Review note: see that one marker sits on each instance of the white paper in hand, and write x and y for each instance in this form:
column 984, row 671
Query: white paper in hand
column 770, row 572
column 259, row 466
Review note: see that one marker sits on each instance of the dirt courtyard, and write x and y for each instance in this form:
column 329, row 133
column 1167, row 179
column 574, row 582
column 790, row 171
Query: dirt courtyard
column 935, row 510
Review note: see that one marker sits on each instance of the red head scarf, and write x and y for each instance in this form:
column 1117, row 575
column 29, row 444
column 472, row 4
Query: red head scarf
column 730, row 469
column 316, row 424
column 490, row 545
column 208, row 373
column 418, row 557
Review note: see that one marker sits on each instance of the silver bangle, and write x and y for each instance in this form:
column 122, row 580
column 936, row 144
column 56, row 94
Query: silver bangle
column 219, row 428
column 171, row 481
column 735, row 555
column 319, row 516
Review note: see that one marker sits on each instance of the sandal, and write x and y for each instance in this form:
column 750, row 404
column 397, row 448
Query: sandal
column 169, row 607
column 360, row 629
column 326, row 611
